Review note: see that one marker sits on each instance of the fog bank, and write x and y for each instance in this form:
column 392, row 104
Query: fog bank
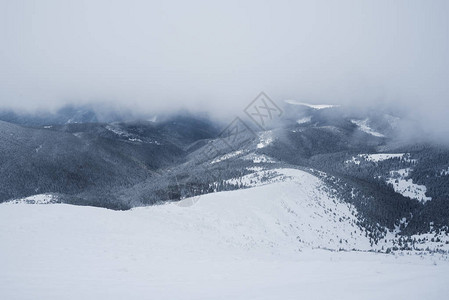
column 149, row 56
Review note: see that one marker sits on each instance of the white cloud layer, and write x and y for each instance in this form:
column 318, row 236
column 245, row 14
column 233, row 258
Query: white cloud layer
column 152, row 55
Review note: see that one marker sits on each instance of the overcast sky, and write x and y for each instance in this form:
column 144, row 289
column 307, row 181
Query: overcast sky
column 151, row 55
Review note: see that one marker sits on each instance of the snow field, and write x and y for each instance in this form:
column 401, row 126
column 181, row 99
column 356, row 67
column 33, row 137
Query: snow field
column 256, row 243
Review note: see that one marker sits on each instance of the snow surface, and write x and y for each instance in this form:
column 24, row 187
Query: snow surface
column 135, row 140
column 227, row 156
column 304, row 120
column 123, row 133
column 259, row 158
column 315, row 106
column 265, row 139
column 35, row 199
column 353, row 160
column 118, row 131
column 256, row 243
column 363, row 126
column 379, row 157
column 406, row 187
column 398, row 178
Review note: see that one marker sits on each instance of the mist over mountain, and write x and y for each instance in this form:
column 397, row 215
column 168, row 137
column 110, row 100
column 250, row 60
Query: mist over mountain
column 144, row 57
column 120, row 162
column 236, row 149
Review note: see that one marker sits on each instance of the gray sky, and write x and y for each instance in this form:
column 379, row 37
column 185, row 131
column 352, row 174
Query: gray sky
column 151, row 55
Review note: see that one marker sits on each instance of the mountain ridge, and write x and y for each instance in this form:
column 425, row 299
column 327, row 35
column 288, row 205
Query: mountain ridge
column 121, row 165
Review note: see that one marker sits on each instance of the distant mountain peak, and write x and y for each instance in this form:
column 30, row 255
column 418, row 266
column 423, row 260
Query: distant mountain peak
column 314, row 106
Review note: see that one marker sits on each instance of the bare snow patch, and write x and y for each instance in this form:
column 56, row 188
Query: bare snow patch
column 381, row 156
column 406, row 187
column 363, row 126
column 135, row 140
column 354, row 160
column 130, row 137
column 304, row 120
column 255, row 169
column 259, row 158
column 377, row 157
column 118, row 131
column 265, row 139
column 226, row 156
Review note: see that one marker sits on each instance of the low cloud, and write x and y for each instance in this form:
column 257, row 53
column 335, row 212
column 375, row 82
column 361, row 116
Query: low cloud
column 150, row 56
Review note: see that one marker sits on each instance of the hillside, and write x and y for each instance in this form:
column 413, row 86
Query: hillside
column 359, row 155
column 262, row 242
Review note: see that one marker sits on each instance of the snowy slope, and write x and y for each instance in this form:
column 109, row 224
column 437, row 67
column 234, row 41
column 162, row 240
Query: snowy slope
column 226, row 156
column 247, row 244
column 405, row 186
column 286, row 210
column 363, row 126
column 379, row 157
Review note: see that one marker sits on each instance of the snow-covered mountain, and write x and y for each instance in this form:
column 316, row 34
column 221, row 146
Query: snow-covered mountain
column 262, row 242
column 323, row 203
column 119, row 165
